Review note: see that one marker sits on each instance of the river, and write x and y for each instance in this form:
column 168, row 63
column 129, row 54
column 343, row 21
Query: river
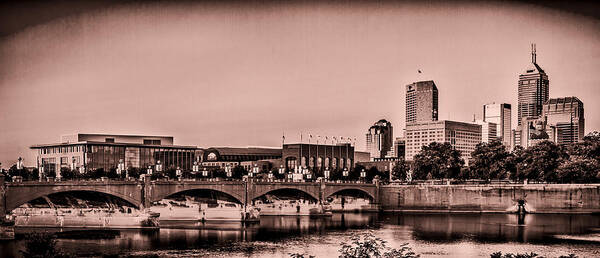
column 430, row 235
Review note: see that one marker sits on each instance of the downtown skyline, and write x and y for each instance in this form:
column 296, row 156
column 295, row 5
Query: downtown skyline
column 274, row 71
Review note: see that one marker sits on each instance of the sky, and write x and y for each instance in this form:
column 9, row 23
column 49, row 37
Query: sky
column 237, row 74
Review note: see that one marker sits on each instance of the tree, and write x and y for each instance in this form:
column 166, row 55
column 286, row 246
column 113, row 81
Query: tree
column 238, row 172
column 437, row 161
column 13, row 171
column 367, row 245
column 68, row 174
column 354, row 174
column 540, row 162
column 489, row 161
column 400, row 170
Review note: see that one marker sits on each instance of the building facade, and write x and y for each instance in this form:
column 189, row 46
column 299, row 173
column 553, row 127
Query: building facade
column 500, row 114
column 488, row 131
column 221, row 157
column 565, row 119
column 318, row 156
column 380, row 139
column 533, row 92
column 86, row 152
column 462, row 136
column 421, row 102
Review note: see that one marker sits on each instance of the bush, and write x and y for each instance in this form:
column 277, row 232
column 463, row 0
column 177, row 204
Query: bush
column 367, row 245
column 41, row 245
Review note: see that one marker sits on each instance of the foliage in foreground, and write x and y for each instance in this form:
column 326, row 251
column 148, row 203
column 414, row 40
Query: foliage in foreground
column 41, row 245
column 525, row 255
column 367, row 245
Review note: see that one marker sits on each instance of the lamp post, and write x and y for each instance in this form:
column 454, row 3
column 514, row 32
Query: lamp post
column 178, row 172
column 345, row 173
column 327, row 173
column 120, row 167
column 195, row 168
column 363, row 174
column 253, row 171
column 204, row 172
column 228, row 170
column 41, row 173
column 149, row 170
column 158, row 166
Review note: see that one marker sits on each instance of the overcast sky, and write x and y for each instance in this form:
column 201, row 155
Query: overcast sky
column 244, row 74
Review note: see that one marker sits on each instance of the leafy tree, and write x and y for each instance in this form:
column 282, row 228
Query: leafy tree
column 238, row 172
column 367, row 245
column 354, row 174
column 68, row 173
column 489, row 161
column 511, row 255
column 540, row 162
column 13, row 171
column 134, row 172
column 41, row 245
column 400, row 170
column 437, row 161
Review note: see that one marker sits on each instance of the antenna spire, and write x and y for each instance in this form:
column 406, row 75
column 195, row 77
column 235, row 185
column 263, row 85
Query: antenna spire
column 533, row 54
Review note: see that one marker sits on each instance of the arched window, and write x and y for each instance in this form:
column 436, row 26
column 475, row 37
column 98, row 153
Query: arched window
column 311, row 162
column 327, row 162
column 334, row 163
column 319, row 162
column 303, row 162
column 342, row 163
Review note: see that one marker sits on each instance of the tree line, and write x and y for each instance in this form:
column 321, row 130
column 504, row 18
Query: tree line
column 543, row 162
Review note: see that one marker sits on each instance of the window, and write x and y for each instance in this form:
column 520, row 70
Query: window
column 151, row 142
column 111, row 140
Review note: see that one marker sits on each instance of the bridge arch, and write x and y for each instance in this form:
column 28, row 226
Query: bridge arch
column 263, row 192
column 237, row 199
column 161, row 191
column 13, row 201
column 350, row 188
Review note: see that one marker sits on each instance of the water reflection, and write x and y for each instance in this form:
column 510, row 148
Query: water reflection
column 422, row 228
column 530, row 228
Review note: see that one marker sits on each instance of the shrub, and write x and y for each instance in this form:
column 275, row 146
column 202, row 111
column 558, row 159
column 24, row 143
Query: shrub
column 367, row 245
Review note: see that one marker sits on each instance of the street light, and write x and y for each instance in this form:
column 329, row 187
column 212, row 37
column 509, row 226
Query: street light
column 158, row 166
column 120, row 167
column 281, row 169
column 41, row 173
column 178, row 172
column 149, row 170
column 253, row 171
column 195, row 167
column 345, row 172
column 327, row 173
column 228, row 170
column 204, row 172
column 363, row 174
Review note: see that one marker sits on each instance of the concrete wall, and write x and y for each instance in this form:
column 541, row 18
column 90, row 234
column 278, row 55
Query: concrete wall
column 542, row 198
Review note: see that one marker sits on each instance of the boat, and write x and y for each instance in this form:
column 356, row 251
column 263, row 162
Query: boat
column 289, row 208
column 352, row 204
column 44, row 213
column 226, row 211
column 171, row 210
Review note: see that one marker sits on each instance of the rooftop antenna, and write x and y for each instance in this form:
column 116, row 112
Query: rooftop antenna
column 533, row 55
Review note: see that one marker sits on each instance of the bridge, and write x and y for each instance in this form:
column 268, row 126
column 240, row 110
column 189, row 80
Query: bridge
column 141, row 193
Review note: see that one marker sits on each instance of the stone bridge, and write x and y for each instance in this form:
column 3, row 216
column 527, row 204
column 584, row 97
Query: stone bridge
column 141, row 193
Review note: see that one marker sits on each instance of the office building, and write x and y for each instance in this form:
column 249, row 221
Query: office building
column 221, row 157
column 421, row 102
column 379, row 139
column 565, row 119
column 462, row 136
column 488, row 131
column 318, row 156
column 500, row 114
column 86, row 152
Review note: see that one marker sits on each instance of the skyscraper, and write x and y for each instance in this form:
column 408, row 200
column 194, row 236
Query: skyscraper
column 565, row 119
column 532, row 94
column 421, row 102
column 380, row 139
column 533, row 89
column 500, row 114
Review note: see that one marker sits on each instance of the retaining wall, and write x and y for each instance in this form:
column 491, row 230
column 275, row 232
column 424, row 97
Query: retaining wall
column 539, row 198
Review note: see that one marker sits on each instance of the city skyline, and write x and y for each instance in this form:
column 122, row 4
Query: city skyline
column 253, row 91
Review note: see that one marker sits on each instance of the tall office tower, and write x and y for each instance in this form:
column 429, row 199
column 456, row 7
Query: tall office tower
column 533, row 90
column 500, row 114
column 565, row 119
column 421, row 102
column 379, row 139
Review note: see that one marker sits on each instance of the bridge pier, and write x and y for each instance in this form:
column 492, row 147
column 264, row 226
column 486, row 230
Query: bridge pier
column 2, row 198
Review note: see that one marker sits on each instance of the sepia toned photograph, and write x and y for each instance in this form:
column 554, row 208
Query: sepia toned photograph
column 299, row 129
